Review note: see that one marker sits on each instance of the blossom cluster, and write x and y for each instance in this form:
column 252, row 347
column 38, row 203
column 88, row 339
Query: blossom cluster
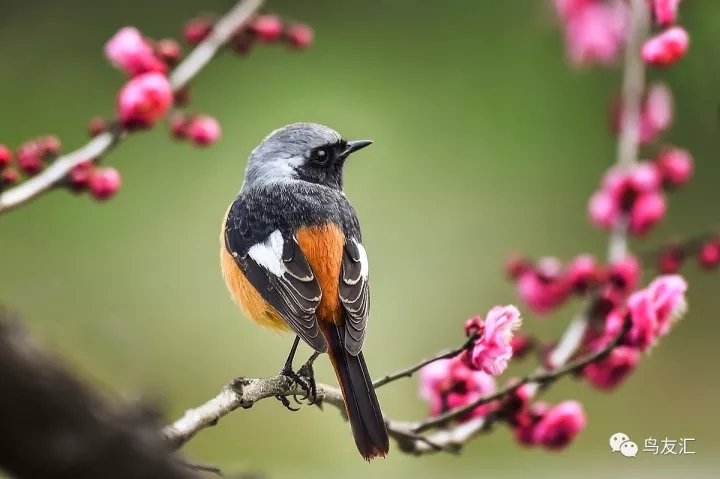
column 147, row 97
column 624, row 319
column 596, row 31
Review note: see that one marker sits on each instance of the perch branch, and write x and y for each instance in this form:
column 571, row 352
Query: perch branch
column 55, row 174
column 244, row 393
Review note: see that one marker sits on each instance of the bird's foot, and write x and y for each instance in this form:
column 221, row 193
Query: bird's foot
column 308, row 373
column 288, row 372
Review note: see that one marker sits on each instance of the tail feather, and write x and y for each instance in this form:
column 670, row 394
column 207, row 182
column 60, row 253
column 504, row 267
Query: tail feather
column 363, row 409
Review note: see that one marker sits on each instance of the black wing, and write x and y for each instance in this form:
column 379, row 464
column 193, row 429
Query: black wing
column 355, row 295
column 295, row 293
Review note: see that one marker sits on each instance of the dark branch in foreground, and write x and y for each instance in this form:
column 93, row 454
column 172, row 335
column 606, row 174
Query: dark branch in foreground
column 54, row 427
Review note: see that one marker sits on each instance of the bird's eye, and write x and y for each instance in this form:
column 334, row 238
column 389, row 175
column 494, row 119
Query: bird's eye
column 320, row 155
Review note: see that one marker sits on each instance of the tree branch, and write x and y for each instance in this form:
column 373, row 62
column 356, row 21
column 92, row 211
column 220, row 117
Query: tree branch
column 408, row 372
column 633, row 89
column 54, row 427
column 56, row 173
column 244, row 393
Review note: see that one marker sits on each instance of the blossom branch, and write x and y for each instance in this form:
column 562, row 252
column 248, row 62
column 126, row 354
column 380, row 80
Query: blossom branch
column 244, row 393
column 633, row 88
column 193, row 64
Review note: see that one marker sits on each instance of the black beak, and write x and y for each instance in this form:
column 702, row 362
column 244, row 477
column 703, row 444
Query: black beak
column 353, row 146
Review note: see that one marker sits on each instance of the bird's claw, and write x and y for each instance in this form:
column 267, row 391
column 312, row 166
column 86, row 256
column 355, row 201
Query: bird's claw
column 307, row 372
column 308, row 388
column 286, row 403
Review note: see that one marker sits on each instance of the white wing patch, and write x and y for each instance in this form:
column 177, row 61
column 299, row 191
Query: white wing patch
column 268, row 254
column 364, row 265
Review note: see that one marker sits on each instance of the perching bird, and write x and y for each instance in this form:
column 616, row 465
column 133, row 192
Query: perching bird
column 293, row 259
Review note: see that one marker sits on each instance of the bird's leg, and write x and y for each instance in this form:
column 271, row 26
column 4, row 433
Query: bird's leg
column 287, row 370
column 307, row 372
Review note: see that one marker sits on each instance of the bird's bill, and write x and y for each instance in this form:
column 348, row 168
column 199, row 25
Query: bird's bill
column 353, row 146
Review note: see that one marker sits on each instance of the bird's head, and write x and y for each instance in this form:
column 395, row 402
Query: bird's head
column 301, row 151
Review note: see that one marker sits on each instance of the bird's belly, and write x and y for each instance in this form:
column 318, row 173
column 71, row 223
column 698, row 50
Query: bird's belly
column 246, row 296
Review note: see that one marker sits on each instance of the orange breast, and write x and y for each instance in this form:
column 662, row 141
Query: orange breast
column 323, row 247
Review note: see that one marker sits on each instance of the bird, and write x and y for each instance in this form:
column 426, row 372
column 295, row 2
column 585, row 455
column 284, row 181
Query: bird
column 293, row 260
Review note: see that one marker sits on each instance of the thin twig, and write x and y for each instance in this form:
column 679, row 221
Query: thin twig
column 408, row 372
column 103, row 143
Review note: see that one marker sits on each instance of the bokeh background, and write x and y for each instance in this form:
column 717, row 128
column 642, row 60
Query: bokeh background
column 485, row 142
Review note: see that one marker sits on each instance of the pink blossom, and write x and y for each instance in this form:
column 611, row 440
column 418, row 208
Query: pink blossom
column 675, row 166
column 128, row 51
column 609, row 372
column 492, row 350
column 665, row 11
column 144, row 99
column 645, row 177
column 668, row 294
column 652, row 312
column 299, row 36
column 435, row 378
column 709, row 255
column 595, row 32
column 526, row 420
column 448, row 383
column 603, row 210
column 667, row 47
column 560, row 425
column 625, row 273
column 634, row 193
column 657, row 112
column 643, row 314
column 104, row 183
column 267, row 28
column 582, row 272
column 544, row 286
column 203, row 130
column 648, row 209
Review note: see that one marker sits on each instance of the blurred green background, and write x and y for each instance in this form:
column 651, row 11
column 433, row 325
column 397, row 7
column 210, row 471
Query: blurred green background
column 485, row 142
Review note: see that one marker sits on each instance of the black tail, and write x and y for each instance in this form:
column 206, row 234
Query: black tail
column 366, row 421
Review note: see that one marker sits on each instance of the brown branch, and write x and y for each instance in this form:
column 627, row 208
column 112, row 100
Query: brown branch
column 408, row 372
column 56, row 173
